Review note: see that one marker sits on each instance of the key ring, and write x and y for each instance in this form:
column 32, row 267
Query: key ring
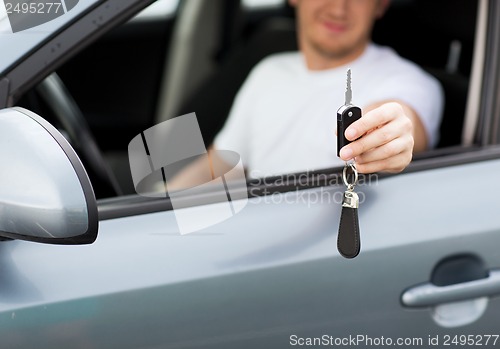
column 350, row 186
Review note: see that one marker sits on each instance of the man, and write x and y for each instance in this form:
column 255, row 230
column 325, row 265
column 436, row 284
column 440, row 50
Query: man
column 284, row 117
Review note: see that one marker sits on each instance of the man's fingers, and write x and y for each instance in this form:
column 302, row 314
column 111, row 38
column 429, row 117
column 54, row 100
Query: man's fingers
column 393, row 148
column 382, row 140
column 367, row 142
column 377, row 138
column 373, row 119
column 393, row 164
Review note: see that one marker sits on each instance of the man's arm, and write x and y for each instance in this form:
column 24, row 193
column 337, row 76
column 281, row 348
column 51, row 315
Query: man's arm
column 196, row 172
column 392, row 131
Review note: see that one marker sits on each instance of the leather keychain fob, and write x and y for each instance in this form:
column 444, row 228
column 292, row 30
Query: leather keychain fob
column 348, row 238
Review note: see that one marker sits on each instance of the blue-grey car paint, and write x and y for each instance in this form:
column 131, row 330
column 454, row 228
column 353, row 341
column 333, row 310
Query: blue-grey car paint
column 258, row 278
column 48, row 196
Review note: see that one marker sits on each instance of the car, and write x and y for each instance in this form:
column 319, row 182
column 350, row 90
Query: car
column 87, row 262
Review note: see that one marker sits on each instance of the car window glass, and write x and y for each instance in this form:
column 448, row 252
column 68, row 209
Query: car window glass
column 23, row 27
column 157, row 10
column 255, row 4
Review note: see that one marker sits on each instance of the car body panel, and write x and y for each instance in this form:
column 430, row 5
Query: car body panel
column 142, row 284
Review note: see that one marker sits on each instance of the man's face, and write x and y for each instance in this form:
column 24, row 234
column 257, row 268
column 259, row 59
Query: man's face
column 337, row 28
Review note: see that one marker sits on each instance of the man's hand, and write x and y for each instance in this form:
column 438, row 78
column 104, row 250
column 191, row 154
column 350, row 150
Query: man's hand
column 390, row 133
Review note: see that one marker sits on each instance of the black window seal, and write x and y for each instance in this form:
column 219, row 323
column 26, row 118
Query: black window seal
column 133, row 205
column 488, row 132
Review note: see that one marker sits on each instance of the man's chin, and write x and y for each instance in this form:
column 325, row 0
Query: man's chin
column 334, row 52
column 337, row 50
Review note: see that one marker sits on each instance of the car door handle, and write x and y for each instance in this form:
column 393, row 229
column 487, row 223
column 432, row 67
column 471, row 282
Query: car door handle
column 428, row 294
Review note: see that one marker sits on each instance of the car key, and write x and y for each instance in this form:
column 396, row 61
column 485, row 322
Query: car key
column 348, row 238
column 346, row 115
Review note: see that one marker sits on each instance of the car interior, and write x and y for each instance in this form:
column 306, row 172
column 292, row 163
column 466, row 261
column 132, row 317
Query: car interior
column 195, row 58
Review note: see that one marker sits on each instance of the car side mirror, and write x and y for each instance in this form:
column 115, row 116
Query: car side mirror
column 45, row 193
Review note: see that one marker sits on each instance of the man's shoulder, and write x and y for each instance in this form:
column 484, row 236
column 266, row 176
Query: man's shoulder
column 386, row 58
column 388, row 67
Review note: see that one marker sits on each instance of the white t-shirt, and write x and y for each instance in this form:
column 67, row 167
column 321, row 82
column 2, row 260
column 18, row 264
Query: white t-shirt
column 283, row 119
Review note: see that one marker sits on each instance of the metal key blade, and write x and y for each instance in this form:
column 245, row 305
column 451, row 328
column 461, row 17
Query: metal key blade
column 348, row 92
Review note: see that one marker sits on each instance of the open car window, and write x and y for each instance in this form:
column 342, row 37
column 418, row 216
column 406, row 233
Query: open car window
column 160, row 9
column 129, row 64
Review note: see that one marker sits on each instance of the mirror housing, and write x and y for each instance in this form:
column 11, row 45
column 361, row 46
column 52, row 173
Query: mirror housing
column 45, row 193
